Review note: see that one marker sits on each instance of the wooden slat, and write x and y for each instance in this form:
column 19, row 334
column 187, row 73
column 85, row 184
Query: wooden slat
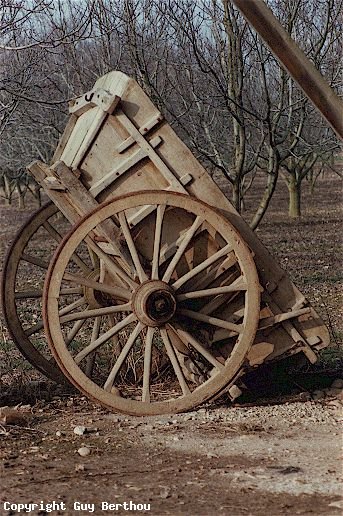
column 99, row 118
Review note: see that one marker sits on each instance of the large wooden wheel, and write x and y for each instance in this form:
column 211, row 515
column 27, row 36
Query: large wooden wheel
column 25, row 266
column 24, row 270
column 191, row 277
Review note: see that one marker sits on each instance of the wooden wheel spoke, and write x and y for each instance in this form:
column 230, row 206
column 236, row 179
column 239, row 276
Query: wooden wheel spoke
column 175, row 363
column 157, row 241
column 187, row 339
column 181, row 349
column 71, row 291
column 35, row 261
column 214, row 321
column 118, row 292
column 147, row 364
column 96, row 312
column 237, row 285
column 52, row 232
column 132, row 248
column 58, row 238
column 115, row 339
column 202, row 266
column 72, row 306
column 28, row 294
column 39, row 325
column 183, row 245
column 94, row 258
column 90, row 360
column 34, row 329
column 74, row 331
column 78, row 261
column 122, row 357
column 96, row 329
column 112, row 265
column 104, row 338
column 33, row 294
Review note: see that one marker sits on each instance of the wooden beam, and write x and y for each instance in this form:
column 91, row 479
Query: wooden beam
column 294, row 60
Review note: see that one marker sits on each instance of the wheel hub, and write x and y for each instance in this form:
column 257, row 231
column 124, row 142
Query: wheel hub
column 154, row 303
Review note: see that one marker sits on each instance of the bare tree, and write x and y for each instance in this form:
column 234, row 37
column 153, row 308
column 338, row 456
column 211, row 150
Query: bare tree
column 200, row 63
column 34, row 37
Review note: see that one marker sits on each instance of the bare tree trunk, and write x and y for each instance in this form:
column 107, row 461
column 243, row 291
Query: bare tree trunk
column 273, row 173
column 294, row 202
column 236, row 194
column 235, row 65
column 21, row 196
column 7, row 190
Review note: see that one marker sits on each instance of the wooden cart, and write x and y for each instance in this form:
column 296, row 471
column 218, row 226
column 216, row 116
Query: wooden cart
column 159, row 296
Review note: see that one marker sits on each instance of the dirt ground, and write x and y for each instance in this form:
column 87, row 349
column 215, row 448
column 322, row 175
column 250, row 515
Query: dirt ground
column 277, row 456
column 240, row 460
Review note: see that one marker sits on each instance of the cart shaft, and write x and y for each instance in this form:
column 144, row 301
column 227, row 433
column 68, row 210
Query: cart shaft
column 294, row 60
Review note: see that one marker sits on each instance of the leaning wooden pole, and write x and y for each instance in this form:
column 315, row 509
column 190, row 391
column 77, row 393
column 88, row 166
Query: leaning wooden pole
column 293, row 59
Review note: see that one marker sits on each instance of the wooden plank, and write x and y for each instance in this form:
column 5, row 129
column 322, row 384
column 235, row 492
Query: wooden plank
column 85, row 202
column 40, row 171
column 152, row 122
column 96, row 97
column 80, row 105
column 76, row 201
column 52, row 183
column 276, row 319
column 144, row 129
column 259, row 352
column 99, row 118
column 80, row 197
column 121, row 168
column 86, row 129
column 64, row 138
